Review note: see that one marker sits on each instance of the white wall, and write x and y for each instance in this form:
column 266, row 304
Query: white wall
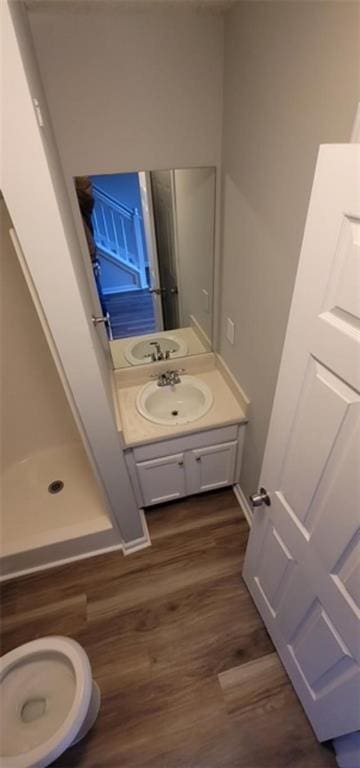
column 291, row 82
column 34, row 192
column 195, row 211
column 34, row 412
column 131, row 90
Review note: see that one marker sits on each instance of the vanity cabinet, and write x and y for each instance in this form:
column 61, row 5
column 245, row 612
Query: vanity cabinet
column 162, row 479
column 211, row 467
column 203, row 462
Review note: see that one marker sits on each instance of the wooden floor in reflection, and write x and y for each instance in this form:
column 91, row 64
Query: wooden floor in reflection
column 131, row 313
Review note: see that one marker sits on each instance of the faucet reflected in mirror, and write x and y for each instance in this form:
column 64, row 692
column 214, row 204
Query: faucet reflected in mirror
column 158, row 354
column 150, row 237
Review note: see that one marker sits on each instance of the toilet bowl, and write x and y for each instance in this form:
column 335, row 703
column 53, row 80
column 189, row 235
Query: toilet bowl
column 48, row 701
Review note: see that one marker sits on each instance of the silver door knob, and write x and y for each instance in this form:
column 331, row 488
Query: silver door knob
column 260, row 497
column 101, row 319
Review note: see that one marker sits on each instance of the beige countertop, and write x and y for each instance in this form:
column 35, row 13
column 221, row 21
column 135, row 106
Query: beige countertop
column 193, row 343
column 136, row 430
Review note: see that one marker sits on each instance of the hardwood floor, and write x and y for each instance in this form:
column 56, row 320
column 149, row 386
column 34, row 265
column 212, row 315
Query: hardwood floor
column 188, row 674
column 131, row 313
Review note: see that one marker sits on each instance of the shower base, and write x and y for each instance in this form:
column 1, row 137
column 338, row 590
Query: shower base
column 52, row 509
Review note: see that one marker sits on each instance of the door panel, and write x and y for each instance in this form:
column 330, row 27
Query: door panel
column 335, row 496
column 321, row 412
column 211, row 467
column 302, row 562
column 343, row 291
column 318, row 632
column 275, row 567
column 162, row 479
column 150, row 238
column 163, row 203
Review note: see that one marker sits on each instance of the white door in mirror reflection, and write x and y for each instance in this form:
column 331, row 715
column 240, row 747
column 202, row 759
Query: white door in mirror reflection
column 163, row 195
column 150, row 237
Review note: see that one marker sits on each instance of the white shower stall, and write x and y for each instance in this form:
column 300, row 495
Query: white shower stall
column 58, row 415
column 50, row 497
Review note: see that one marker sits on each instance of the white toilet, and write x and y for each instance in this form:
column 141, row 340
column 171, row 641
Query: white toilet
column 48, row 701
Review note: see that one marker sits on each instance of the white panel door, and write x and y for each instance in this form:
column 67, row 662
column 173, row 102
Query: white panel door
column 302, row 564
column 162, row 479
column 151, row 246
column 211, row 467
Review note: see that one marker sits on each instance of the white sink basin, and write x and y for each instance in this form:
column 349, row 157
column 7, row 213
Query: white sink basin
column 139, row 351
column 176, row 403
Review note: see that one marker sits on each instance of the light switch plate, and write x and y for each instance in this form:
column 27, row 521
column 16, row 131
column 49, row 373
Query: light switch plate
column 230, row 330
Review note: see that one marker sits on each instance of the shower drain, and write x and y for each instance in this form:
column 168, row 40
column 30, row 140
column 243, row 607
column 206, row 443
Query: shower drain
column 56, row 486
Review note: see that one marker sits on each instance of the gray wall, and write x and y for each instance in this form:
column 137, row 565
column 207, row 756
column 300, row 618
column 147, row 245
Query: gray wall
column 34, row 413
column 195, row 211
column 291, row 82
column 52, row 260
column 130, row 90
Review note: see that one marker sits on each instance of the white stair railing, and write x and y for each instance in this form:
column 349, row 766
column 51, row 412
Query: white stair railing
column 117, row 232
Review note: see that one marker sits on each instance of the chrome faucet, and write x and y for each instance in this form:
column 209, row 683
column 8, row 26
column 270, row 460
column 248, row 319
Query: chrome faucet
column 169, row 378
column 158, row 354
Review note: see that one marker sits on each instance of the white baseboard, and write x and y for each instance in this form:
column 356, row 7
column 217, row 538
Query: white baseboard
column 244, row 504
column 347, row 750
column 127, row 548
column 62, row 561
column 134, row 546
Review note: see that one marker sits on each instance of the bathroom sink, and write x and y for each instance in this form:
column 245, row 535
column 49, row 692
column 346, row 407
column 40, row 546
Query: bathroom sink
column 176, row 403
column 139, row 351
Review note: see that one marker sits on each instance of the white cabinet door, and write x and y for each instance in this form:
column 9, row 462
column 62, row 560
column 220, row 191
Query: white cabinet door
column 211, row 467
column 302, row 563
column 162, row 479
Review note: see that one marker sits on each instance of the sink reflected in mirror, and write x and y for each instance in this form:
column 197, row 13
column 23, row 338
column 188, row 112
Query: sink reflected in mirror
column 150, row 239
column 174, row 404
column 154, row 347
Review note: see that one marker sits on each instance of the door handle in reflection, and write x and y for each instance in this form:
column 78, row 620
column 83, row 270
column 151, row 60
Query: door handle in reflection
column 101, row 319
column 162, row 291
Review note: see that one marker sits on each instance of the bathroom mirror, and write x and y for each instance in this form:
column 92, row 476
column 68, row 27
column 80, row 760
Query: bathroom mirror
column 150, row 236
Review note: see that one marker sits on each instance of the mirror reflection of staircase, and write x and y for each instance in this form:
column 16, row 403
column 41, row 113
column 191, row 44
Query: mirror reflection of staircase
column 122, row 259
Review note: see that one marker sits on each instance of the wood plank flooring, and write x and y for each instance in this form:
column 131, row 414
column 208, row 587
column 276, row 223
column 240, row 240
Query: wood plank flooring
column 131, row 313
column 188, row 674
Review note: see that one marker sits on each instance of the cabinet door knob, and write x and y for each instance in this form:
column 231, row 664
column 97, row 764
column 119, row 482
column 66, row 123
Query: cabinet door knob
column 180, row 463
column 198, row 458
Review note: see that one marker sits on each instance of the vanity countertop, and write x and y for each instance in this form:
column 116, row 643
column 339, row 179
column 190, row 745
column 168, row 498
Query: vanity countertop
column 136, row 430
column 192, row 340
